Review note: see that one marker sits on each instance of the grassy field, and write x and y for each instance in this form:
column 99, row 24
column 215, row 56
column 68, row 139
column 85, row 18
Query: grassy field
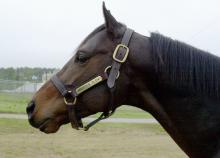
column 14, row 102
column 17, row 102
column 18, row 139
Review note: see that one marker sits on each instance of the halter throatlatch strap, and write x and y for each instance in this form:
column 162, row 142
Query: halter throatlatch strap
column 70, row 92
column 109, row 111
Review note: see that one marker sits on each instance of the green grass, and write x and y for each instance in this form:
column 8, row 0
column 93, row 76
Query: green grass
column 18, row 139
column 10, row 126
column 14, row 102
column 17, row 102
column 131, row 112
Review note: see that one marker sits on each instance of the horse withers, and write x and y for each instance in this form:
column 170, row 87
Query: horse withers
column 177, row 83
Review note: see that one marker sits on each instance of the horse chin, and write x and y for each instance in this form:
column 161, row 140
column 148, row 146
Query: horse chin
column 50, row 128
column 52, row 125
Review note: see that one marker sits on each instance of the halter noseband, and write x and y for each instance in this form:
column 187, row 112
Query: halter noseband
column 71, row 92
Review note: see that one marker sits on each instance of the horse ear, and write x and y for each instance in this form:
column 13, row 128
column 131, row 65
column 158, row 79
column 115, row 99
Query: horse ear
column 112, row 26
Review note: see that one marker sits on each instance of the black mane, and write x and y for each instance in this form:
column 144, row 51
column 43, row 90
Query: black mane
column 184, row 67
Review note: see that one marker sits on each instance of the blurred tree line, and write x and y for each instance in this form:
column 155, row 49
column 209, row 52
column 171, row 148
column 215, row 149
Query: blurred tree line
column 24, row 73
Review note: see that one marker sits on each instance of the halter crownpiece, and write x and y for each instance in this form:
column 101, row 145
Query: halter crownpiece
column 71, row 92
column 119, row 57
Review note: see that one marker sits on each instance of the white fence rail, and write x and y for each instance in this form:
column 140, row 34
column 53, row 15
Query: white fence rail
column 19, row 86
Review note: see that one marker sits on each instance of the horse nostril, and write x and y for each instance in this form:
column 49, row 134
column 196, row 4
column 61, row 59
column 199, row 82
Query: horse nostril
column 30, row 108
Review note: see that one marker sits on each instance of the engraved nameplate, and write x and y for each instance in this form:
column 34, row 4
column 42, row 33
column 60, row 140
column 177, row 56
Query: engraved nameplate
column 88, row 84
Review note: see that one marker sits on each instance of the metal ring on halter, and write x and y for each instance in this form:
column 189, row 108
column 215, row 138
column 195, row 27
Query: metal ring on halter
column 108, row 67
column 70, row 103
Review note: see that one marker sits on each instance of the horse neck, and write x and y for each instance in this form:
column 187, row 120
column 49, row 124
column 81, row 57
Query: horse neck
column 142, row 79
column 166, row 106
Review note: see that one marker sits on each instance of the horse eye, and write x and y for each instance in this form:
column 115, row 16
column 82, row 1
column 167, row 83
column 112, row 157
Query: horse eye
column 81, row 57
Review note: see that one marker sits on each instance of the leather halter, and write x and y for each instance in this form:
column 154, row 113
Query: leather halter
column 111, row 73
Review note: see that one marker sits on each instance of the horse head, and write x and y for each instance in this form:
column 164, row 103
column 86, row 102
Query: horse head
column 88, row 69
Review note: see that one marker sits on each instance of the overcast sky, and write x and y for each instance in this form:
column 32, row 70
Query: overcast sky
column 44, row 33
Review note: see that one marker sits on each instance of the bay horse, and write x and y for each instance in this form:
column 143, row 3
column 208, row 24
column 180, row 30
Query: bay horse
column 175, row 82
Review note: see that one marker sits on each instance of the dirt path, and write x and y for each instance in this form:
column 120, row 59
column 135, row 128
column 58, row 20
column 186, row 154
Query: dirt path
column 110, row 120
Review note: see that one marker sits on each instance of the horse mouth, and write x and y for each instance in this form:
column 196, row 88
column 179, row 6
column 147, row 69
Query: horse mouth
column 48, row 126
column 43, row 125
column 52, row 125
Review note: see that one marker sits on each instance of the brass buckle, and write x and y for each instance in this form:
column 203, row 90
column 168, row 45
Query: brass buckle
column 116, row 51
column 70, row 103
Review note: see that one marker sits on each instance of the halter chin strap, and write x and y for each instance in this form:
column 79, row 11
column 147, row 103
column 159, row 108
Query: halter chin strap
column 71, row 92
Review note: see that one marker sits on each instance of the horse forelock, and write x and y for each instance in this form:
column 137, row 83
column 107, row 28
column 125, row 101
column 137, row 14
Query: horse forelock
column 185, row 67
